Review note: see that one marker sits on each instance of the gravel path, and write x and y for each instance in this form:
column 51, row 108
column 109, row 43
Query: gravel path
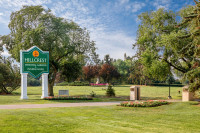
column 25, row 106
column 29, row 106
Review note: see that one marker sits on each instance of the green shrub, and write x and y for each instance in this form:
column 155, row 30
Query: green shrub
column 93, row 94
column 110, row 91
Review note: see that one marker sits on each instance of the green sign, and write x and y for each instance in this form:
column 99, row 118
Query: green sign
column 34, row 61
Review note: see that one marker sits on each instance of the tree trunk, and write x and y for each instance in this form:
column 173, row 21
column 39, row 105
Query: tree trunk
column 51, row 83
column 50, row 89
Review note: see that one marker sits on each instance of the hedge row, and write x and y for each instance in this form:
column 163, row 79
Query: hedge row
column 76, row 83
column 67, row 98
column 164, row 84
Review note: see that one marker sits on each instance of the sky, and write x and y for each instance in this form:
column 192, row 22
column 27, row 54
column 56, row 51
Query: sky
column 112, row 24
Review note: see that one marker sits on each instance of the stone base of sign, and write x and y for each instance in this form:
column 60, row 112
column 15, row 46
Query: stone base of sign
column 187, row 95
column 44, row 85
column 134, row 93
column 24, row 86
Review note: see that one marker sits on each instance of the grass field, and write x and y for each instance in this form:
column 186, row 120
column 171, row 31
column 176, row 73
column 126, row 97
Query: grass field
column 173, row 118
column 122, row 93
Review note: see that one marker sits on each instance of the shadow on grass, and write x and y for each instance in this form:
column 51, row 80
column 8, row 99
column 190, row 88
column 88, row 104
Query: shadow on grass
column 98, row 98
column 153, row 98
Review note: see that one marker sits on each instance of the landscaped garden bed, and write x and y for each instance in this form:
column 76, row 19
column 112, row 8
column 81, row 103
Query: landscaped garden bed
column 149, row 103
column 67, row 98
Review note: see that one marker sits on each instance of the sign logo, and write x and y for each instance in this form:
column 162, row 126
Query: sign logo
column 35, row 53
column 34, row 61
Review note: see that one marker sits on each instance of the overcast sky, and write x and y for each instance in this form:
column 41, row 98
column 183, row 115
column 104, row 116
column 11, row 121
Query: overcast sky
column 112, row 23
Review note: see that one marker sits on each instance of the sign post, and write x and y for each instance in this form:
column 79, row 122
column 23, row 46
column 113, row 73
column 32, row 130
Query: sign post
column 35, row 62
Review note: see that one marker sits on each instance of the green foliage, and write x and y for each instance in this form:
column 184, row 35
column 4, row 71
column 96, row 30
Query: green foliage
column 9, row 77
column 153, row 68
column 110, row 92
column 71, row 70
column 170, row 79
column 124, row 69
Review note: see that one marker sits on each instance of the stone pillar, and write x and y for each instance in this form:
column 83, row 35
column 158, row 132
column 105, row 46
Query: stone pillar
column 24, row 86
column 44, row 85
column 187, row 95
column 134, row 93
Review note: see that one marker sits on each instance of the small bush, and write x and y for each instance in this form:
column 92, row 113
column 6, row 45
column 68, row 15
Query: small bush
column 67, row 98
column 148, row 103
column 92, row 94
column 110, row 91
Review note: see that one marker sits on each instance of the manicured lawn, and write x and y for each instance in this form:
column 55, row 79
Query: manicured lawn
column 173, row 118
column 122, row 93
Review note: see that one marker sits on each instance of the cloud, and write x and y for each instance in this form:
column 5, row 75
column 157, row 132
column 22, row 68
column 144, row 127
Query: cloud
column 5, row 52
column 137, row 6
column 130, row 6
column 114, row 43
column 162, row 4
column 123, row 1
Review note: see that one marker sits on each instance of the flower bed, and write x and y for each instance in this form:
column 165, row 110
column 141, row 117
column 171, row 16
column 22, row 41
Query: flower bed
column 101, row 84
column 149, row 103
column 67, row 98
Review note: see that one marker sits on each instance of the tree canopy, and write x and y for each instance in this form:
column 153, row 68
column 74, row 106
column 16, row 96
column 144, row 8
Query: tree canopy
column 166, row 44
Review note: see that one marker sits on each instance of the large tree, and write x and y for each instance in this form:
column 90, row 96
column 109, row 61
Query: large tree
column 71, row 70
column 88, row 72
column 124, row 68
column 163, row 43
column 108, row 72
column 33, row 25
column 9, row 76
